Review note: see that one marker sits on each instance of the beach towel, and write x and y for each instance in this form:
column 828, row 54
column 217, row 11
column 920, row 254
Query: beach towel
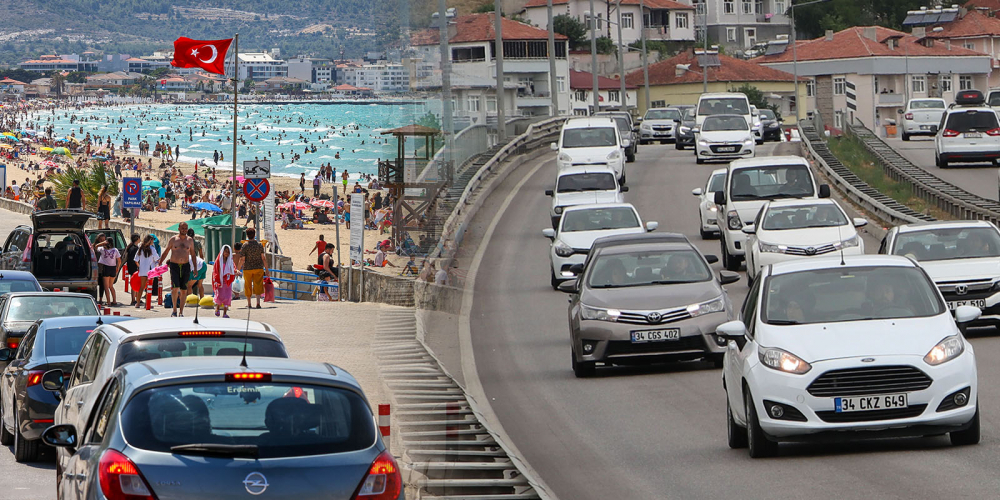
column 158, row 271
column 223, row 277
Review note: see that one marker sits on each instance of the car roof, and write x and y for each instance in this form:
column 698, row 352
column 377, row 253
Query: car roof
column 71, row 321
column 593, row 206
column 950, row 224
column 17, row 275
column 156, row 326
column 590, row 122
column 639, row 239
column 798, row 202
column 584, row 169
column 766, row 161
column 717, row 172
column 164, row 369
column 818, row 263
column 47, row 294
column 713, row 95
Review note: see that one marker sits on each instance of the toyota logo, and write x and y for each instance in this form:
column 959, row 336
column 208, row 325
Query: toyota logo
column 961, row 289
column 654, row 317
column 810, row 251
column 255, row 483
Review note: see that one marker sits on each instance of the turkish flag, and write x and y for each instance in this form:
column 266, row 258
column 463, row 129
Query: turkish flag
column 209, row 55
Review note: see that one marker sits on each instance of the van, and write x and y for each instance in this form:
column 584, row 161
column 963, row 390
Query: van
column 723, row 103
column 56, row 249
column 593, row 140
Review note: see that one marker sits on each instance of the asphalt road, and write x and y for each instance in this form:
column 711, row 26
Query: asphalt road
column 976, row 178
column 660, row 432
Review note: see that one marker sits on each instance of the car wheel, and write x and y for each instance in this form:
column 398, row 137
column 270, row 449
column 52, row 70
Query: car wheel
column 583, row 369
column 758, row 444
column 621, row 181
column 678, row 145
column 6, row 438
column 705, row 235
column 630, row 157
column 643, row 143
column 906, row 136
column 736, row 434
column 25, row 450
column 715, row 359
column 940, row 162
column 759, row 142
column 730, row 262
column 698, row 160
column 553, row 281
column 970, row 435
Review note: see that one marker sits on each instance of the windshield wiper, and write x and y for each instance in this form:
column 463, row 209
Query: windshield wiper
column 570, row 190
column 215, row 449
column 782, row 322
column 670, row 282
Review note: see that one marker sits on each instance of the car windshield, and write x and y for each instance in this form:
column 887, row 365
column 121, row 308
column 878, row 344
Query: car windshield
column 589, row 137
column 9, row 285
column 994, row 99
column 66, row 341
column 622, row 123
column 720, row 123
column 594, row 181
column 143, row 350
column 724, row 106
column 849, row 294
column 802, row 217
column 38, row 307
column 770, row 182
column 641, row 268
column 948, row 243
column 972, row 121
column 767, row 114
column 599, row 219
column 268, row 419
column 717, row 183
column 663, row 114
column 929, row 104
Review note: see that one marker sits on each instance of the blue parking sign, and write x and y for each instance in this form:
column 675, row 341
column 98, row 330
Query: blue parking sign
column 131, row 192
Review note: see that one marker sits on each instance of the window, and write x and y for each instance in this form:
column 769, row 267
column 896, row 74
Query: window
column 105, row 409
column 758, row 6
column 681, row 21
column 965, row 82
column 600, row 21
column 748, row 6
column 627, row 21
column 491, row 104
column 838, row 119
column 614, row 96
column 77, row 377
column 659, row 104
column 969, row 45
column 561, row 83
column 473, row 103
column 581, row 95
column 945, row 82
column 839, row 85
column 729, row 6
column 699, row 34
column 730, row 34
column 96, row 357
column 918, row 84
column 810, row 88
column 700, row 5
column 779, row 6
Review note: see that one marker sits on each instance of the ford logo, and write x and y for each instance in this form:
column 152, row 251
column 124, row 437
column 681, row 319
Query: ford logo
column 654, row 317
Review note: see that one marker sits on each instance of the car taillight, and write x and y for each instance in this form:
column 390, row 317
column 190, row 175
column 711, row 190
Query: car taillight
column 120, row 478
column 202, row 333
column 993, row 132
column 13, row 343
column 382, row 482
column 248, row 377
column 35, row 377
column 950, row 133
column 909, row 116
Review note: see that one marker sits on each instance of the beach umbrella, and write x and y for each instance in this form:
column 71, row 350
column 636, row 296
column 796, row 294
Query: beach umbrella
column 6, row 146
column 99, row 158
column 50, row 163
column 322, row 203
column 201, row 205
column 152, row 183
column 8, row 133
column 239, row 178
column 10, row 138
column 46, row 149
column 298, row 205
column 62, row 151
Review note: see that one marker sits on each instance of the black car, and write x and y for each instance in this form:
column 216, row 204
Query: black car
column 770, row 126
column 26, row 408
column 18, row 281
column 683, row 136
column 56, row 249
column 18, row 310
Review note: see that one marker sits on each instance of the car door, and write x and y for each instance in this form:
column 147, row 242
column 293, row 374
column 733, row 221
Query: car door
column 14, row 377
column 76, row 389
column 5, row 255
column 82, row 470
column 736, row 355
column 7, row 411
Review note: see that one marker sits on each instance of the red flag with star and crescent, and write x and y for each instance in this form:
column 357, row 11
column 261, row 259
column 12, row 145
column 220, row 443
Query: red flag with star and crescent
column 209, row 55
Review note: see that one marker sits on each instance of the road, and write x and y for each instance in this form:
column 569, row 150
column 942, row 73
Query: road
column 660, row 432
column 976, row 178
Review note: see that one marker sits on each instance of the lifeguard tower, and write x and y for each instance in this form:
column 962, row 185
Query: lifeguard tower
column 412, row 194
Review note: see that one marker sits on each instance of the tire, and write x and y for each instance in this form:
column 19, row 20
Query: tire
column 940, row 162
column 621, row 181
column 730, row 262
column 698, row 160
column 737, row 436
column 6, row 438
column 678, row 146
column 25, row 450
column 705, row 235
column 968, row 436
column 643, row 143
column 630, row 158
column 583, row 369
column 905, row 136
column 760, row 142
column 715, row 359
column 553, row 281
column 757, row 443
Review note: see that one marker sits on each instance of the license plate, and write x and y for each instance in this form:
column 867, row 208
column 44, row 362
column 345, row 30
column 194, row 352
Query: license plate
column 980, row 303
column 640, row 336
column 869, row 403
column 973, row 135
column 728, row 149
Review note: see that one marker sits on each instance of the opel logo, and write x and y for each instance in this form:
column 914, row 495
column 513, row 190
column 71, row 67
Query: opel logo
column 867, row 360
column 654, row 317
column 255, row 483
column 961, row 289
column 810, row 251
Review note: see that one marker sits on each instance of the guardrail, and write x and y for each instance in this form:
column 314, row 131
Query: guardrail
column 947, row 197
column 469, row 142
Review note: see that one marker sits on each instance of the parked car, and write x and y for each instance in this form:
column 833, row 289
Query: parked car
column 55, row 249
column 659, row 124
column 583, row 185
column 628, row 129
column 18, row 310
column 593, row 140
column 969, row 132
column 707, row 209
column 921, row 117
column 723, row 137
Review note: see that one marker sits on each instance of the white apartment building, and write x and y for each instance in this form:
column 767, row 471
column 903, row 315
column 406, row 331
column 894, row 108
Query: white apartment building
column 259, row 66
column 380, row 77
column 740, row 24
column 663, row 19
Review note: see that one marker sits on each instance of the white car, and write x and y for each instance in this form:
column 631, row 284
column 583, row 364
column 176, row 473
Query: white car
column 723, row 137
column 707, row 209
column 580, row 226
column 756, row 125
column 961, row 256
column 800, row 229
column 659, row 124
column 921, row 117
column 722, row 103
column 591, row 140
column 969, row 132
column 826, row 350
column 583, row 185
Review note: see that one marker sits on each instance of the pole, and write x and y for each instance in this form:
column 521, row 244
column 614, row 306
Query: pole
column 795, row 67
column 336, row 219
column 623, row 104
column 498, row 31
column 645, row 61
column 446, row 111
column 704, row 34
column 553, row 83
column 593, row 56
column 236, row 79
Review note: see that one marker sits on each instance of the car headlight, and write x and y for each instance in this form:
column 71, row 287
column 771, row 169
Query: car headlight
column 850, row 242
column 712, row 207
column 684, row 130
column 756, row 125
column 558, row 210
column 769, row 248
column 703, row 143
column 598, row 314
column 563, row 157
column 715, row 305
column 772, row 125
column 614, row 155
column 783, row 361
column 733, row 220
column 646, row 126
column 946, row 350
column 562, row 249
column 748, row 142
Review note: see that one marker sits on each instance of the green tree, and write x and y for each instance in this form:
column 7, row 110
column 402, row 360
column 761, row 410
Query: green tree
column 77, row 77
column 91, row 181
column 58, row 81
column 484, row 8
column 430, row 120
column 605, row 45
column 756, row 97
column 572, row 28
column 249, row 85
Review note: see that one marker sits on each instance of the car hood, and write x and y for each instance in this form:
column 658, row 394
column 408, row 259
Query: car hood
column 961, row 269
column 848, row 339
column 725, row 135
column 659, row 122
column 806, row 237
column 584, row 197
column 585, row 239
column 651, row 297
column 590, row 155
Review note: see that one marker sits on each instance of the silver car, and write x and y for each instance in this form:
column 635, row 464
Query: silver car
column 208, row 427
column 643, row 298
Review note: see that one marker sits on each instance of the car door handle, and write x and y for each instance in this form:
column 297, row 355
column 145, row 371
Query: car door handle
column 79, row 403
column 81, row 477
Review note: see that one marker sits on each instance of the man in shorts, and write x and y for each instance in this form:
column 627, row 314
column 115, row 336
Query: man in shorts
column 254, row 267
column 181, row 251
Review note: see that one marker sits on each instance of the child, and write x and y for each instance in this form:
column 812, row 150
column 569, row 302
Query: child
column 322, row 293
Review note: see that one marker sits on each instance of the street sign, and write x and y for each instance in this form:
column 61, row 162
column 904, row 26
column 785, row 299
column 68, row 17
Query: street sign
column 256, row 189
column 358, row 228
column 257, row 169
column 131, row 193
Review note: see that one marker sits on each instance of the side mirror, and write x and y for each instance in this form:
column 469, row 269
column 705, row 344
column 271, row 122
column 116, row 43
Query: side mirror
column 554, row 147
column 727, row 277
column 568, row 287
column 695, row 130
column 576, row 269
column 53, row 380
column 711, row 258
column 549, row 233
column 652, row 225
column 899, row 111
column 859, row 222
column 749, row 229
column 549, row 192
column 824, row 191
column 696, row 191
column 60, row 436
column 5, row 354
column 720, row 198
column 676, row 120
column 636, row 127
column 623, row 189
column 626, row 143
column 732, row 330
column 967, row 314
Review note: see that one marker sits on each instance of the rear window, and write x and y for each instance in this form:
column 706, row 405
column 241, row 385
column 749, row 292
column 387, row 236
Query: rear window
column 724, row 123
column 663, row 114
column 66, row 341
column 933, row 104
column 142, row 350
column 589, row 137
column 599, row 219
column 598, row 181
column 282, row 420
column 994, row 99
column 49, row 306
column 9, row 285
column 972, row 121
column 724, row 106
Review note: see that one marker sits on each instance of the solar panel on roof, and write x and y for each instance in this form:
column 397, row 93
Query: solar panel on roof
column 932, row 18
column 709, row 60
column 913, row 20
column 947, row 17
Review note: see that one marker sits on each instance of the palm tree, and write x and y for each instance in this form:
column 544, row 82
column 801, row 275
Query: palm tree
column 58, row 80
column 91, row 181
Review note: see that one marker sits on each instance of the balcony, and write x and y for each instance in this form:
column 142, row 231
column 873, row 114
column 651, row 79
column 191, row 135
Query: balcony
column 772, row 18
column 661, row 32
column 538, row 99
column 514, row 65
column 891, row 99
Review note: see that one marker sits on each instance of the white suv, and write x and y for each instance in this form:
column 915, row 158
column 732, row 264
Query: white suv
column 583, row 185
column 592, row 140
column 969, row 131
column 752, row 182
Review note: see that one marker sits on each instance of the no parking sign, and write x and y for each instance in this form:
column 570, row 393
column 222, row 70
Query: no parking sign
column 256, row 189
column 132, row 192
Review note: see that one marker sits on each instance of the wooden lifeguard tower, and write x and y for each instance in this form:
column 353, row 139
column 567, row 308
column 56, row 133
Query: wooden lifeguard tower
column 412, row 200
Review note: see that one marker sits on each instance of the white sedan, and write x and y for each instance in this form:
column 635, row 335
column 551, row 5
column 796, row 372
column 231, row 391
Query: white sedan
column 799, row 229
column 831, row 349
column 723, row 137
column 707, row 209
column 580, row 226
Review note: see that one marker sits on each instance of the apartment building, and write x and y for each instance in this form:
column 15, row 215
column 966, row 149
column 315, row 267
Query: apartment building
column 665, row 20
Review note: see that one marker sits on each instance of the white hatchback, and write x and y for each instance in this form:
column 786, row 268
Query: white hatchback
column 708, row 211
column 593, row 140
column 723, row 137
column 831, row 349
column 583, row 185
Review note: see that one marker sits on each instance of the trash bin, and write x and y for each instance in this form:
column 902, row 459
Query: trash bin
column 216, row 236
column 890, row 131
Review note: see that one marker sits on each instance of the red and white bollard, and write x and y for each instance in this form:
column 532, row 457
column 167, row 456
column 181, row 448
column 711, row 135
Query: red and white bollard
column 159, row 291
column 149, row 294
column 125, row 277
column 383, row 424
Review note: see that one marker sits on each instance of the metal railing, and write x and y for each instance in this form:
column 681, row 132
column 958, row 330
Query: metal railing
column 469, row 142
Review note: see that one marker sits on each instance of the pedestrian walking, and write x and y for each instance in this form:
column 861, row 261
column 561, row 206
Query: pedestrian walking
column 146, row 259
column 180, row 248
column 254, row 268
column 223, row 276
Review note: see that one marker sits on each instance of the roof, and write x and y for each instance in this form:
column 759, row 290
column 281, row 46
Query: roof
column 800, row 202
column 70, row 321
column 973, row 24
column 595, row 206
column 16, row 275
column 730, row 70
column 9, row 81
column 766, row 161
column 584, row 169
column 206, row 323
column 813, row 263
column 479, row 28
column 412, row 130
column 345, row 87
column 924, row 226
column 590, row 121
column 650, row 4
column 992, row 5
column 193, row 366
column 640, row 238
column 852, row 43
column 585, row 80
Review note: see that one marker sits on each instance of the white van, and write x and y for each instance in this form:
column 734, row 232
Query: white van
column 593, row 140
column 723, row 103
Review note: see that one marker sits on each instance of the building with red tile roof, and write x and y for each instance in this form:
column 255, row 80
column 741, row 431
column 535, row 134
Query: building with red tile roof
column 668, row 20
column 974, row 31
column 581, row 86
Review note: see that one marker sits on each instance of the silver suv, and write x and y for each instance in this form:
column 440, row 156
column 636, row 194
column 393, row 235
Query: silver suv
column 643, row 298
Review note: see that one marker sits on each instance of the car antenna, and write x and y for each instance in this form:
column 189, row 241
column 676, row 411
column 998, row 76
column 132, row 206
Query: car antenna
column 246, row 335
column 196, row 310
column 841, row 237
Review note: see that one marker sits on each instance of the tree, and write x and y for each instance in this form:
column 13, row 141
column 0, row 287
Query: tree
column 484, row 8
column 605, row 45
column 756, row 97
column 429, row 120
column 91, row 181
column 58, row 80
column 572, row 28
column 249, row 85
column 77, row 77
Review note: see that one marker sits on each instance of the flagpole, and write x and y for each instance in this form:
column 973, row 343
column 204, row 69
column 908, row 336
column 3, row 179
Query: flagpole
column 236, row 114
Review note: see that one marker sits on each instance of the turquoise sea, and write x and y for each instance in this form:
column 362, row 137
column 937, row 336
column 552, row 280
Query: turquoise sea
column 268, row 131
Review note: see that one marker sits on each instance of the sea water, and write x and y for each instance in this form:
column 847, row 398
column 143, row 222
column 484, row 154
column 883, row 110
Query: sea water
column 274, row 129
